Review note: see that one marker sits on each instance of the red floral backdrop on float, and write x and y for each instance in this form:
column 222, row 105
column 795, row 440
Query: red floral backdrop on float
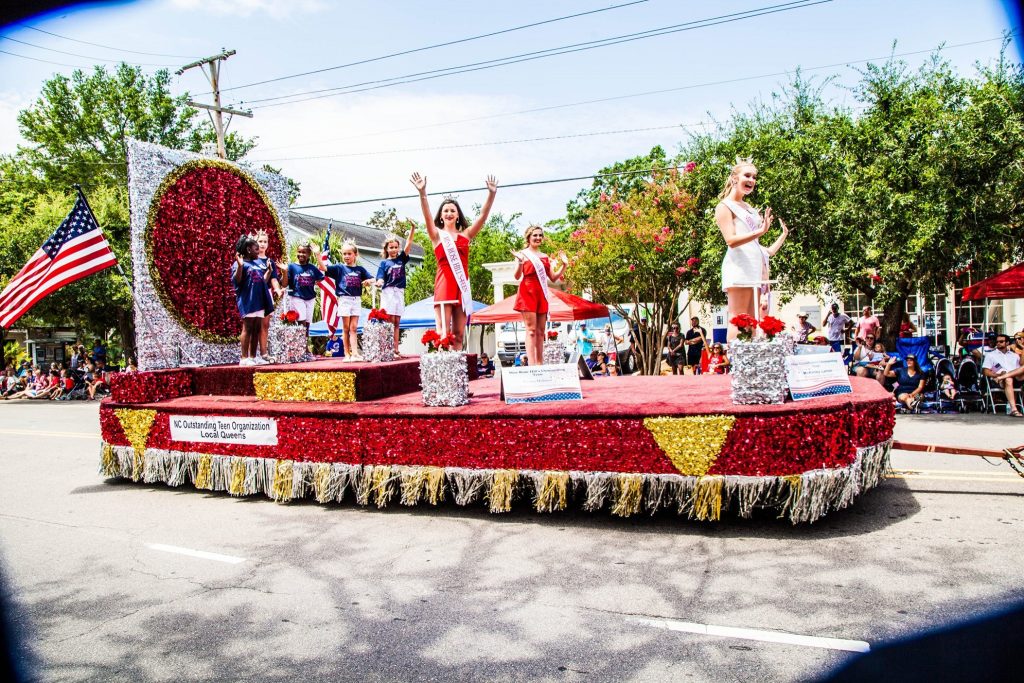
column 198, row 214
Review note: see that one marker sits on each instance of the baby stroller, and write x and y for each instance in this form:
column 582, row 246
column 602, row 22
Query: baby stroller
column 80, row 391
column 968, row 392
column 937, row 400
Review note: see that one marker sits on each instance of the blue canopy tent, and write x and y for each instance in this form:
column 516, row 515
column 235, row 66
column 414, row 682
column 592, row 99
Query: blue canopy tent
column 418, row 316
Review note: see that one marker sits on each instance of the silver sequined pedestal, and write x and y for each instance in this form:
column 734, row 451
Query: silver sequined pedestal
column 444, row 378
column 758, row 370
column 287, row 343
column 378, row 341
column 554, row 352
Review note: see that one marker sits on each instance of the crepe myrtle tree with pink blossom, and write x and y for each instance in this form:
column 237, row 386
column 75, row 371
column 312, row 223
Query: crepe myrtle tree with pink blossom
column 632, row 249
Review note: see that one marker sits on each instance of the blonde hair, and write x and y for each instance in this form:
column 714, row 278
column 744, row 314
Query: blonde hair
column 731, row 180
column 388, row 240
column 529, row 230
column 349, row 245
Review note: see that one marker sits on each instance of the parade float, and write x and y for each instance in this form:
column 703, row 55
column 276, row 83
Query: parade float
column 369, row 434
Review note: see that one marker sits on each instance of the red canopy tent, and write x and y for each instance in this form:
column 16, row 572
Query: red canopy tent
column 1008, row 284
column 563, row 306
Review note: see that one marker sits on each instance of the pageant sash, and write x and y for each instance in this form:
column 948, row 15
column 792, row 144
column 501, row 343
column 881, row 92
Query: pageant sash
column 542, row 272
column 455, row 263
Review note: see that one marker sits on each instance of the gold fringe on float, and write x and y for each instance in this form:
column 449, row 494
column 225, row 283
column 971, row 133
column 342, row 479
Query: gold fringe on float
column 284, row 473
column 204, row 476
column 503, row 486
column 629, row 493
column 707, row 498
column 551, row 492
column 800, row 498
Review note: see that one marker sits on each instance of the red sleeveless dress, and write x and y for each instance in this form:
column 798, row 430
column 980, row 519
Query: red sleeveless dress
column 446, row 289
column 531, row 296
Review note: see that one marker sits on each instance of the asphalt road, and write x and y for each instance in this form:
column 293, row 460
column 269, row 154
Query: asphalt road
column 106, row 587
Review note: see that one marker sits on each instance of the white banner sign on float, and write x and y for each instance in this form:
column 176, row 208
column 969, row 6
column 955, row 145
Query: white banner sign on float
column 816, row 374
column 541, row 383
column 251, row 431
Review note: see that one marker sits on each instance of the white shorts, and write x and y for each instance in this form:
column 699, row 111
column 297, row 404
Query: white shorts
column 254, row 314
column 392, row 300
column 348, row 306
column 303, row 308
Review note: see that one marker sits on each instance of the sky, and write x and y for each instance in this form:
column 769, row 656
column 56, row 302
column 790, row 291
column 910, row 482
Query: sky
column 560, row 116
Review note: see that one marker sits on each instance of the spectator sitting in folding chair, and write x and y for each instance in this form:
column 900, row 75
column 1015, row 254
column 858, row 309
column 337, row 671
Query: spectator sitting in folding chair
column 1002, row 366
column 910, row 381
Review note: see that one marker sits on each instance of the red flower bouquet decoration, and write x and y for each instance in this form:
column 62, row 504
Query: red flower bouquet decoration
column 552, row 335
column 290, row 318
column 431, row 338
column 745, row 324
column 379, row 315
column 771, row 326
column 445, row 343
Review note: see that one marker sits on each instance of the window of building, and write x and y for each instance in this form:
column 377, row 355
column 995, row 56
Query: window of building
column 977, row 314
column 927, row 313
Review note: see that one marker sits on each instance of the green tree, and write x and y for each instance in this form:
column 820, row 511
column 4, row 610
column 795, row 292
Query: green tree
column 635, row 253
column 621, row 179
column 77, row 131
column 934, row 179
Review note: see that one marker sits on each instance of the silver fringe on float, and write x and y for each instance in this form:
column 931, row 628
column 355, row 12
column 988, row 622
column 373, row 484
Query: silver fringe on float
column 801, row 498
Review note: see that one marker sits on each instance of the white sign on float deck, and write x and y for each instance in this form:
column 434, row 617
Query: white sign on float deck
column 817, row 374
column 251, row 431
column 541, row 383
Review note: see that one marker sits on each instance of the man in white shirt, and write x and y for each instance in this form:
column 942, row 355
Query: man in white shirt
column 1001, row 366
column 837, row 323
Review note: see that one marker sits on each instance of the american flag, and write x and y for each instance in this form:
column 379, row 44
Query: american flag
column 328, row 289
column 77, row 249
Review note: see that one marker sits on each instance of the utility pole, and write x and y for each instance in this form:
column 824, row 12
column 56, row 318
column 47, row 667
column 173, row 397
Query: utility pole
column 213, row 76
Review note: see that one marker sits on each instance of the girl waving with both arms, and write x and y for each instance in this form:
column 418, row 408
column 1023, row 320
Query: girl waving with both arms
column 534, row 267
column 450, row 234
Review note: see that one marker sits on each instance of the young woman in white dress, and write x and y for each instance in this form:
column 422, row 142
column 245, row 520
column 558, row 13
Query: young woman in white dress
column 746, row 261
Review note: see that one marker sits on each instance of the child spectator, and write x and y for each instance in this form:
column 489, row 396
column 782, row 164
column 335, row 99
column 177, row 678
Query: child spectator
column 718, row 363
column 334, row 347
column 485, row 366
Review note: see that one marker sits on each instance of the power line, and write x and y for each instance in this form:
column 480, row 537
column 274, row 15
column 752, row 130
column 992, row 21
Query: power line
column 480, row 189
column 629, row 96
column 437, row 45
column 75, row 54
column 44, row 61
column 476, row 144
column 107, row 47
column 530, row 56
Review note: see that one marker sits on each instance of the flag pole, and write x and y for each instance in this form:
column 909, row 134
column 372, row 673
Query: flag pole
column 172, row 362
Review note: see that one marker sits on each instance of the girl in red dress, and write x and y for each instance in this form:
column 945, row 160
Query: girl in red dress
column 450, row 234
column 532, row 300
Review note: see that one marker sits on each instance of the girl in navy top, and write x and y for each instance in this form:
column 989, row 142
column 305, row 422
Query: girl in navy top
column 391, row 279
column 275, row 289
column 301, row 279
column 350, row 280
column 252, row 294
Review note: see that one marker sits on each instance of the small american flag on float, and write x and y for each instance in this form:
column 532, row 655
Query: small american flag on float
column 328, row 289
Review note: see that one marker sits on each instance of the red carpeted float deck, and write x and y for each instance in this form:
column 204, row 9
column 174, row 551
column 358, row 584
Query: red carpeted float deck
column 682, row 431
